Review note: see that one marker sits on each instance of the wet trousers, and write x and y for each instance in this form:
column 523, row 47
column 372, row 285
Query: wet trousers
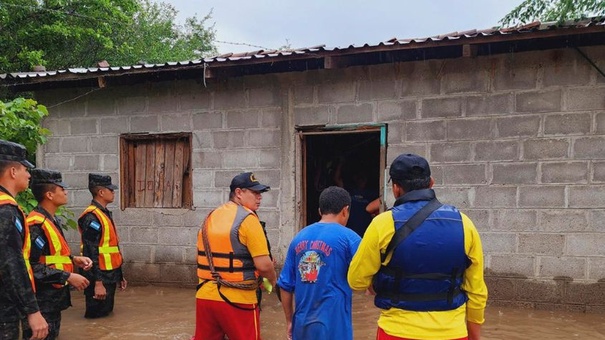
column 99, row 308
column 54, row 326
column 215, row 319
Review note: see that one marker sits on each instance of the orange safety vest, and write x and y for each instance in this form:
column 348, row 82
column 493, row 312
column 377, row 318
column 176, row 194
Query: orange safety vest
column 110, row 256
column 59, row 249
column 230, row 257
column 8, row 199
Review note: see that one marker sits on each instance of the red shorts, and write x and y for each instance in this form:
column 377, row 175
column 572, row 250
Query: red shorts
column 381, row 335
column 215, row 319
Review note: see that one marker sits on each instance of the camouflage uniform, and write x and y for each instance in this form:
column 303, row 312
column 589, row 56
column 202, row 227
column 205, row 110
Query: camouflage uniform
column 50, row 299
column 91, row 237
column 17, row 298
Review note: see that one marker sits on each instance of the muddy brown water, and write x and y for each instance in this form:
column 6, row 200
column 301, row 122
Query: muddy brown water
column 157, row 312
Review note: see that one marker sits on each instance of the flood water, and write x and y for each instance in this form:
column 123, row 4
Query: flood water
column 157, row 312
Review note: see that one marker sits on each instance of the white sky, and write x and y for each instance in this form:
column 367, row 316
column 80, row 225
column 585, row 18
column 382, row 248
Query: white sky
column 338, row 23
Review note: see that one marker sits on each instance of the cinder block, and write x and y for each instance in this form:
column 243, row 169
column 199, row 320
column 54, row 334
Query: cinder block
column 515, row 173
column 268, row 177
column 52, row 145
column 114, row 125
column 341, row 92
column 105, row 144
column 563, row 221
column 270, row 199
column 567, row 124
column 168, row 218
column 480, row 218
column 86, row 162
column 515, row 220
column 194, row 98
column 360, row 113
column 240, row 159
column 58, row 162
column 208, row 198
column 271, row 117
column 495, row 197
column 270, row 158
column 512, row 265
column 464, row 174
column 441, row 107
column 100, row 106
column 396, row 110
column 600, row 120
column 596, row 268
column 493, row 104
column 518, row 126
column 456, row 196
column 110, row 163
column 588, row 244
column 58, row 127
column 207, row 159
column 180, row 273
column 420, row 131
column 83, row 126
column 168, row 254
column 515, row 71
column 565, row 172
column 166, row 101
column 264, row 138
column 451, row 152
column 144, row 124
column 421, row 78
column 264, row 96
column 543, row 101
column 229, row 99
column 534, row 291
column 586, row 294
column 499, row 243
column 312, row 115
column 203, row 179
column 592, row 196
column 395, row 150
column 177, row 236
column 378, row 89
column 566, row 67
column 470, row 129
column 497, row 151
column 598, row 171
column 589, row 148
column 142, row 272
column 207, row 120
column 543, row 244
column 542, row 196
column 303, row 94
column 144, row 235
column 136, row 253
column 228, row 139
column 458, row 78
column 131, row 105
column 74, row 144
column 175, row 123
column 545, row 148
column 585, row 99
column 500, row 288
column 243, row 119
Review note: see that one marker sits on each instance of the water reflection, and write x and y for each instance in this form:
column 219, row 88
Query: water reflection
column 153, row 312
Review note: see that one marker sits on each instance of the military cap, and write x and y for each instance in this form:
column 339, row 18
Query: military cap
column 100, row 180
column 45, row 176
column 10, row 151
column 409, row 167
column 246, row 180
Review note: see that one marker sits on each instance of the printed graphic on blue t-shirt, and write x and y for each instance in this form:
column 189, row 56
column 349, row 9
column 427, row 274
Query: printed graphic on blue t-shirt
column 309, row 266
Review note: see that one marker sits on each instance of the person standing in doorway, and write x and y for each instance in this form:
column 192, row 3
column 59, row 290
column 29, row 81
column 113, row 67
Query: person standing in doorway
column 17, row 287
column 100, row 243
column 232, row 256
column 315, row 273
column 424, row 262
column 51, row 259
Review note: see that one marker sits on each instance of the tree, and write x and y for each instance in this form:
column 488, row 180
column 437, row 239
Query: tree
column 79, row 33
column 553, row 10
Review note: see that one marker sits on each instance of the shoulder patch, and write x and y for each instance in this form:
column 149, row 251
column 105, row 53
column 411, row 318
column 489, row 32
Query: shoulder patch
column 40, row 242
column 19, row 225
column 95, row 225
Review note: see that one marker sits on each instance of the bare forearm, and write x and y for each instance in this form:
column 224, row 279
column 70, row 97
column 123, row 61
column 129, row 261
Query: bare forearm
column 287, row 302
column 474, row 331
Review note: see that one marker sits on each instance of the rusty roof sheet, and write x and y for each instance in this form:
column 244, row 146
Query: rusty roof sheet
column 321, row 49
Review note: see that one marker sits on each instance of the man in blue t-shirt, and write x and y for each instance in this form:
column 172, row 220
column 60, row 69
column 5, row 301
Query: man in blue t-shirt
column 315, row 272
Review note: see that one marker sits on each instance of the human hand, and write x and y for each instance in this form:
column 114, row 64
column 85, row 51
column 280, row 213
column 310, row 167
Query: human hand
column 123, row 284
column 289, row 330
column 100, row 291
column 83, row 262
column 38, row 326
column 78, row 281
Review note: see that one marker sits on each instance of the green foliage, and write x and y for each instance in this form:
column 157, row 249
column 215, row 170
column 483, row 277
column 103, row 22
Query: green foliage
column 20, row 122
column 553, row 10
column 79, row 33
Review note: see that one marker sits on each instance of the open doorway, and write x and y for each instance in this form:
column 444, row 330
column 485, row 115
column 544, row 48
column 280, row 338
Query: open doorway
column 353, row 159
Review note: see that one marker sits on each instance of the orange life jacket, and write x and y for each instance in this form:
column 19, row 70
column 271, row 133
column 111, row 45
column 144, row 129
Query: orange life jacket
column 59, row 249
column 8, row 199
column 110, row 256
column 231, row 259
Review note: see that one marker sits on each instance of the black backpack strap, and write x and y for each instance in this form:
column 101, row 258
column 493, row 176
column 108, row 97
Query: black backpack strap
column 411, row 225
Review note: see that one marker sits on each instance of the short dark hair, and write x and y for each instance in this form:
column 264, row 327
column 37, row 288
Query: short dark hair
column 413, row 184
column 333, row 199
column 95, row 190
column 4, row 165
column 40, row 189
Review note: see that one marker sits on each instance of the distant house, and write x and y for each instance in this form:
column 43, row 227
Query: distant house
column 512, row 120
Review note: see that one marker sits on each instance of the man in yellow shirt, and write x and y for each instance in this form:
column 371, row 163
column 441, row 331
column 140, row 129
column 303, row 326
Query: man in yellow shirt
column 232, row 256
column 424, row 262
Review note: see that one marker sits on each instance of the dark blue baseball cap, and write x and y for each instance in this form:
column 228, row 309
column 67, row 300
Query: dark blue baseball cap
column 14, row 152
column 409, row 166
column 246, row 180
column 45, row 176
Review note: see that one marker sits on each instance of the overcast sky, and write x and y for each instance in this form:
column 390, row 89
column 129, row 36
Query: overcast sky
column 338, row 23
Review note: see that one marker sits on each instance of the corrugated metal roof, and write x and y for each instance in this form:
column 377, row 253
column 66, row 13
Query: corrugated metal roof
column 321, row 49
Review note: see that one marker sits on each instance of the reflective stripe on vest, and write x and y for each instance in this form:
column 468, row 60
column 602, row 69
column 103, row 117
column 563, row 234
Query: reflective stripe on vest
column 231, row 258
column 110, row 256
column 59, row 252
column 8, row 199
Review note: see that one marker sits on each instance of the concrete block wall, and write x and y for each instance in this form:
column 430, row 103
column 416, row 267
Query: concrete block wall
column 516, row 141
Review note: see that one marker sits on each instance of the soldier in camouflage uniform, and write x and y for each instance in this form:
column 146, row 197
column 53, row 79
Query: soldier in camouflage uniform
column 100, row 243
column 17, row 299
column 50, row 257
